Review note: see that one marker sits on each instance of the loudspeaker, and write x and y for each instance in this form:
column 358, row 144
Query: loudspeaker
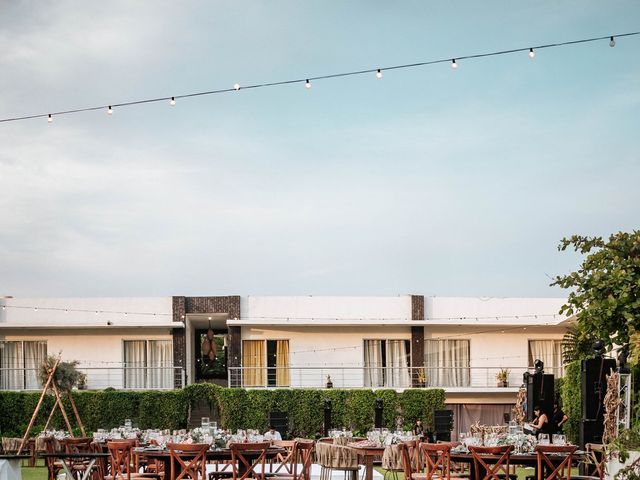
column 378, row 413
column 443, row 436
column 591, row 432
column 327, row 416
column 442, row 422
column 594, row 386
column 540, row 393
column 280, row 420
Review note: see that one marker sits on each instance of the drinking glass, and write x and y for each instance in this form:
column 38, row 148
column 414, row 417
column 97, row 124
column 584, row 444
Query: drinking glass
column 543, row 439
column 559, row 439
column 214, row 425
column 127, row 423
column 204, row 422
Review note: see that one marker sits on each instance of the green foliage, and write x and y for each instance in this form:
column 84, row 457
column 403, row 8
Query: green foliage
column 605, row 290
column 66, row 375
column 238, row 408
column 576, row 345
column 571, row 399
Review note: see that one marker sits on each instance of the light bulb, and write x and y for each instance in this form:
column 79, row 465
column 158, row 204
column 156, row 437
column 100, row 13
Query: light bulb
column 612, row 42
column 307, row 83
column 96, row 312
column 3, row 307
column 532, row 54
column 50, row 119
column 66, row 311
column 379, row 74
column 35, row 309
column 454, row 65
column 236, row 86
column 109, row 110
column 172, row 102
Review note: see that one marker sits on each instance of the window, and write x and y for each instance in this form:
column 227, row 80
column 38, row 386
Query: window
column 265, row 363
column 447, row 363
column 19, row 364
column 148, row 364
column 550, row 352
column 386, row 363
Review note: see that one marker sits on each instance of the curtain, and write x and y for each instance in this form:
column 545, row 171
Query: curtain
column 161, row 364
column 397, row 364
column 550, row 352
column 282, row 363
column 447, row 363
column 373, row 371
column 253, row 363
column 11, row 365
column 135, row 359
column 34, row 355
column 465, row 415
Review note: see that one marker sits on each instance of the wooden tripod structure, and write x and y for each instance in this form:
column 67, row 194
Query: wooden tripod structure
column 51, row 384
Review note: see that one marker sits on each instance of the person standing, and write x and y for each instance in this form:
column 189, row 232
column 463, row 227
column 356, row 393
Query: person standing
column 540, row 423
column 418, row 429
column 559, row 418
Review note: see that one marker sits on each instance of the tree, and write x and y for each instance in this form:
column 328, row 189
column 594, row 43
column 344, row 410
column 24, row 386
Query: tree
column 605, row 290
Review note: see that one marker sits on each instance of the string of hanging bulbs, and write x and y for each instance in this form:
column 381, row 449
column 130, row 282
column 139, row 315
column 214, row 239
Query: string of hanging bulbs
column 378, row 72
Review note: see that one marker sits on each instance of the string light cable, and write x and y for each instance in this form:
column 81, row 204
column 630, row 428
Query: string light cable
column 377, row 71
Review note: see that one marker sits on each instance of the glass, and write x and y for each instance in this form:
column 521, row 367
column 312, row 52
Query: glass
column 543, row 439
column 204, row 422
column 214, row 425
column 127, row 423
column 559, row 439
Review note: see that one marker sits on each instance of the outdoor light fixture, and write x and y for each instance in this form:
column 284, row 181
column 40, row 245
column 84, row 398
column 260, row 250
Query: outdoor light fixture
column 379, row 74
column 109, row 110
column 454, row 65
column 598, row 348
column 307, row 83
column 172, row 102
column 532, row 54
column 236, row 87
column 612, row 42
column 538, row 365
column 50, row 118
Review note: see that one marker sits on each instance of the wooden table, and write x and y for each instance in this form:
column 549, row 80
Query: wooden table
column 368, row 454
column 11, row 466
column 219, row 454
column 68, row 458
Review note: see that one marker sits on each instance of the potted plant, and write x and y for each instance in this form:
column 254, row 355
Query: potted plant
column 421, row 378
column 503, row 377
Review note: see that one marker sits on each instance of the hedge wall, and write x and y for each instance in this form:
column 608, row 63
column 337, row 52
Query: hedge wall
column 571, row 396
column 238, row 408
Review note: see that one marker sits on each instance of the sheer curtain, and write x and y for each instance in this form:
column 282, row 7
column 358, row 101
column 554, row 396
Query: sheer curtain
column 11, row 365
column 253, row 363
column 135, row 359
column 397, row 364
column 550, row 352
column 282, row 363
column 373, row 371
column 447, row 363
column 161, row 363
column 34, row 355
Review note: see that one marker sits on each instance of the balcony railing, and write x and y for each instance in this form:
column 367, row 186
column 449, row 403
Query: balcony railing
column 376, row 377
column 119, row 377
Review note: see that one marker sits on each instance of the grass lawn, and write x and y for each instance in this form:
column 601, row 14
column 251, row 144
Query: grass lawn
column 34, row 473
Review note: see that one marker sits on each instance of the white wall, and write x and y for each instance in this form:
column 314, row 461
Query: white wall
column 135, row 307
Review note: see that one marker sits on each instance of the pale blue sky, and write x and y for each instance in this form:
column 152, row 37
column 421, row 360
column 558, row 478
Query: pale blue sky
column 427, row 181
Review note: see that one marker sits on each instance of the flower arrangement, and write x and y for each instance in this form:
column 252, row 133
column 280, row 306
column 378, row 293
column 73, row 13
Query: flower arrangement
column 503, row 377
column 57, row 434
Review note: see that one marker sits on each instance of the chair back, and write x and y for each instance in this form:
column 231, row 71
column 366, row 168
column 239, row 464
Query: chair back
column 285, row 460
column 120, row 459
column 596, row 458
column 555, row 459
column 407, row 469
column 188, row 460
column 437, row 460
column 494, row 461
column 414, row 454
column 77, row 445
column 303, row 452
column 249, row 456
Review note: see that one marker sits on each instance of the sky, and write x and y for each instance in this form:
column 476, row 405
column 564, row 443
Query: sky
column 427, row 181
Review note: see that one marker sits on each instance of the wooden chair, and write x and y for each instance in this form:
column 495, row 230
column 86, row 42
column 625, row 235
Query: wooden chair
column 594, row 463
column 121, row 462
column 82, row 445
column 53, row 466
column 245, row 458
column 283, row 460
column 188, row 460
column 300, row 462
column 546, row 463
column 493, row 468
column 437, row 461
column 337, row 457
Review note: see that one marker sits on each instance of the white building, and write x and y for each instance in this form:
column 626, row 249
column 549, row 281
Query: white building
column 456, row 343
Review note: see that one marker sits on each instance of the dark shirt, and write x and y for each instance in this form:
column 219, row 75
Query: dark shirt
column 558, row 415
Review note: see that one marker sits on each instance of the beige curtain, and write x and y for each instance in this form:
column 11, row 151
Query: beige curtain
column 397, row 367
column 253, row 363
column 34, row 355
column 447, row 363
column 11, row 374
column 550, row 352
column 135, row 361
column 373, row 371
column 160, row 373
column 282, row 363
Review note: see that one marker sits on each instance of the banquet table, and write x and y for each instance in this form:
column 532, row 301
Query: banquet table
column 10, row 466
column 368, row 454
column 67, row 460
column 522, row 459
column 219, row 454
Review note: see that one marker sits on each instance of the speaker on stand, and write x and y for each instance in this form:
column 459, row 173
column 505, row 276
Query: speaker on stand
column 443, row 424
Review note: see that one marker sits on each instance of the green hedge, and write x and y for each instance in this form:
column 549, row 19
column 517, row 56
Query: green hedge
column 571, row 396
column 237, row 408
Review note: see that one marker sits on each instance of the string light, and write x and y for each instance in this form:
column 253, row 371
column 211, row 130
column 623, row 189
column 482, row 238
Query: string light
column 109, row 110
column 172, row 102
column 307, row 83
column 612, row 42
column 532, row 54
column 375, row 71
column 379, row 74
column 50, row 119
